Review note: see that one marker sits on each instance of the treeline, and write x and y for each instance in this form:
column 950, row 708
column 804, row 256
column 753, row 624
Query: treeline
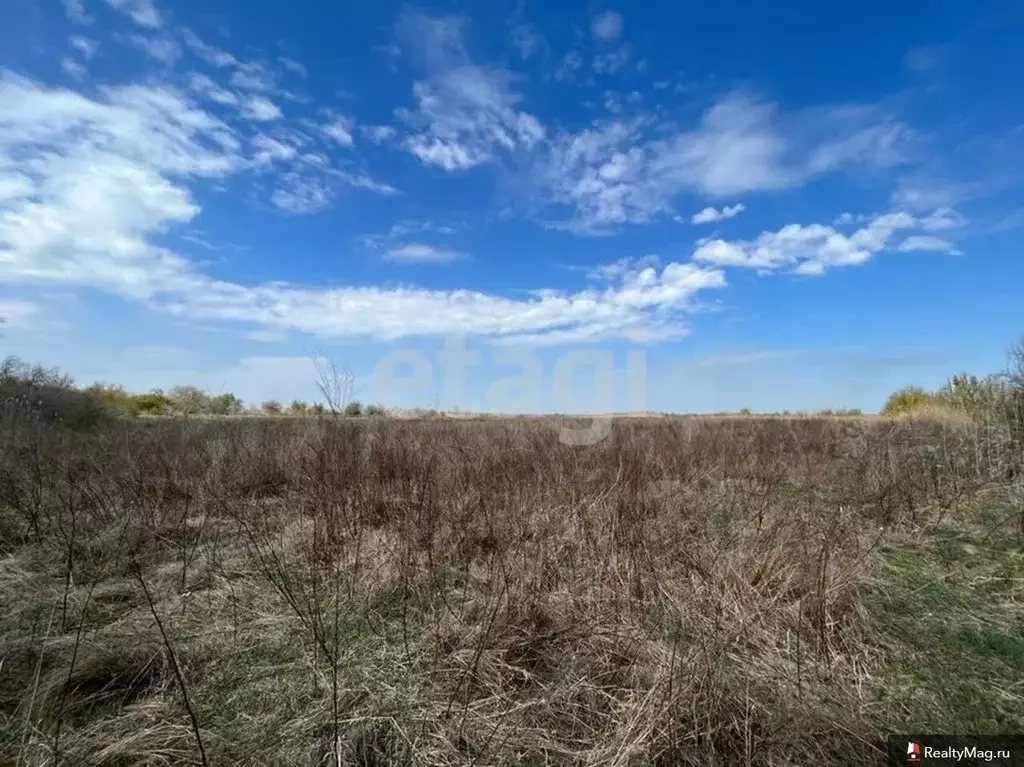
column 996, row 397
column 49, row 390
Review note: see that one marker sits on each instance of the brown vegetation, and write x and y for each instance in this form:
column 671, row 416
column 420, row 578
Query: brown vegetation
column 441, row 592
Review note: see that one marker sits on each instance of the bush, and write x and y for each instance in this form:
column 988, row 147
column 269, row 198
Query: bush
column 224, row 404
column 271, row 407
column 153, row 403
column 353, row 409
column 906, row 400
column 49, row 394
column 298, row 407
column 114, row 398
column 374, row 410
column 317, row 409
column 189, row 400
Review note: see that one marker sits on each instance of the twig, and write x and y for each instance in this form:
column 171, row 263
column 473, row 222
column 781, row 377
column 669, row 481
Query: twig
column 177, row 667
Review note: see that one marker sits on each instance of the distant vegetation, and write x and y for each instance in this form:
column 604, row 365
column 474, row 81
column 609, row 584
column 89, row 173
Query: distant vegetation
column 994, row 399
column 52, row 392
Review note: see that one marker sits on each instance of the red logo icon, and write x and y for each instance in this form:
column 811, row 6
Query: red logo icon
column 913, row 753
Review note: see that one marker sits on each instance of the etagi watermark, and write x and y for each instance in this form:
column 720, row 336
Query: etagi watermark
column 403, row 370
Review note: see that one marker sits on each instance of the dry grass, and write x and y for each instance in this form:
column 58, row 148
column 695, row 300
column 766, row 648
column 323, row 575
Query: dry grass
column 472, row 592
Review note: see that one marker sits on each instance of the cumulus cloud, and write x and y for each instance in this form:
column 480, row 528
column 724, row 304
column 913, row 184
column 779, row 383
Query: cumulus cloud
column 101, row 182
column 464, row 113
column 607, row 25
column 815, row 248
column 420, row 253
column 711, row 215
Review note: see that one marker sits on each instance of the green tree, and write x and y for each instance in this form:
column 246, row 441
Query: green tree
column 298, row 407
column 113, row 397
column 317, row 408
column 906, row 400
column 374, row 410
column 353, row 408
column 224, row 404
column 152, row 403
column 977, row 397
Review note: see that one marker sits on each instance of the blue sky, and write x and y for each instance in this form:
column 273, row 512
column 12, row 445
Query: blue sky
column 779, row 207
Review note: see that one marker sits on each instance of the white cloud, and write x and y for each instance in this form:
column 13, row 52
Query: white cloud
column 293, row 66
column 269, row 150
column 365, row 182
column 928, row 243
column 253, row 76
column 86, row 46
column 711, row 215
column 75, row 11
column 208, row 53
column 630, row 171
column 209, row 89
column 465, row 113
column 527, row 41
column 404, row 228
column 419, row 253
column 16, row 314
column 943, row 219
column 14, row 186
column 339, row 129
column 72, row 68
column 162, row 49
column 610, row 63
column 809, row 250
column 848, row 137
column 142, row 12
column 378, row 134
column 568, row 66
column 99, row 171
column 260, row 109
column 301, row 195
column 107, row 177
column 607, row 25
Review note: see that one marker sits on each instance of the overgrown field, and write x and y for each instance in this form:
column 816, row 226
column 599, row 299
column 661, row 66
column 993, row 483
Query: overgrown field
column 377, row 592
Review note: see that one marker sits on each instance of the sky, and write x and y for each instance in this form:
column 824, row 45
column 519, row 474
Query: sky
column 595, row 207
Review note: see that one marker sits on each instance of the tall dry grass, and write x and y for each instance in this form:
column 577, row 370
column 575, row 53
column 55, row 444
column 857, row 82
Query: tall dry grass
column 688, row 591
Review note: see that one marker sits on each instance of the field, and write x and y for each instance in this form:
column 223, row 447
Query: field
column 472, row 592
